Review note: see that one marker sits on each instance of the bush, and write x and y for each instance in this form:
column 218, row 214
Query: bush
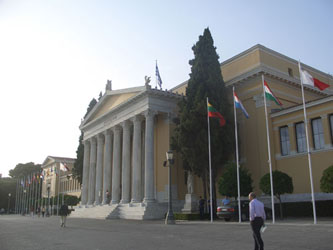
column 326, row 181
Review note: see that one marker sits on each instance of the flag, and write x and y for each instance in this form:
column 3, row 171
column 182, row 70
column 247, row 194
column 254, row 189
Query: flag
column 269, row 95
column 213, row 113
column 158, row 77
column 63, row 167
column 307, row 79
column 239, row 105
column 22, row 182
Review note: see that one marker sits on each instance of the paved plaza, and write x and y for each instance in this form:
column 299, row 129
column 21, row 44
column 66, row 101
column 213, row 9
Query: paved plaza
column 19, row 232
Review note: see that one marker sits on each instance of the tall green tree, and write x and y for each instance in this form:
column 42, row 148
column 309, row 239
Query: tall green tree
column 228, row 181
column 282, row 184
column 7, row 185
column 24, row 169
column 191, row 134
column 78, row 164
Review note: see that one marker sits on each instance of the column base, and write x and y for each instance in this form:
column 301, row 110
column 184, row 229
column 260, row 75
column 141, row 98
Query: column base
column 124, row 201
column 147, row 200
column 115, row 202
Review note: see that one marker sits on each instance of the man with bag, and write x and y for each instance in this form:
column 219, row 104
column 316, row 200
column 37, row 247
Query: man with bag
column 257, row 218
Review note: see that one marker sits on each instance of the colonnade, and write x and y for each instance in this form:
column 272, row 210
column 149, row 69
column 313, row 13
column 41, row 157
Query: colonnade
column 110, row 164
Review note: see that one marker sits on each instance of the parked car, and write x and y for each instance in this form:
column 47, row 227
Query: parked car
column 230, row 211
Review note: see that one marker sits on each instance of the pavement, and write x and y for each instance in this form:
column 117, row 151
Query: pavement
column 33, row 233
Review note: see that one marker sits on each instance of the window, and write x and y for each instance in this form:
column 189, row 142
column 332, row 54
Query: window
column 284, row 140
column 290, row 72
column 318, row 133
column 300, row 137
column 331, row 126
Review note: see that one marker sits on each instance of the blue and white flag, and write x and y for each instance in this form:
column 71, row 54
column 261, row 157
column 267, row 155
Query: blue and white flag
column 158, row 77
column 239, row 105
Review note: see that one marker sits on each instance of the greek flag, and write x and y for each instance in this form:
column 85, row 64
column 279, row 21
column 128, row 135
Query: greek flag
column 158, row 77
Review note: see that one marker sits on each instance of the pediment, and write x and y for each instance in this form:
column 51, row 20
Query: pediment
column 48, row 161
column 111, row 100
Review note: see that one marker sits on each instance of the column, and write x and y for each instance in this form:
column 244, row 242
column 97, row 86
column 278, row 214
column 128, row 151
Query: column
column 136, row 174
column 99, row 169
column 126, row 163
column 85, row 174
column 149, row 157
column 116, row 165
column 107, row 166
column 92, row 172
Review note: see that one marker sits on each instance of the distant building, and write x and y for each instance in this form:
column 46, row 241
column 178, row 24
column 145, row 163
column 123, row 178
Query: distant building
column 128, row 132
column 58, row 177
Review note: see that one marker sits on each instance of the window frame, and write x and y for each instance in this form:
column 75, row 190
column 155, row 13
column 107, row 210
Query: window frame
column 318, row 137
column 284, row 142
column 303, row 138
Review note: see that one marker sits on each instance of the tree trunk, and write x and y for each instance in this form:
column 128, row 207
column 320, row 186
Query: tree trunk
column 281, row 212
column 204, row 183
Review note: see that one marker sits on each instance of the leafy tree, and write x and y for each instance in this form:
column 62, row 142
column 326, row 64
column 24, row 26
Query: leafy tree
column 282, row 184
column 7, row 185
column 228, row 181
column 25, row 169
column 71, row 200
column 326, row 181
column 78, row 164
column 190, row 137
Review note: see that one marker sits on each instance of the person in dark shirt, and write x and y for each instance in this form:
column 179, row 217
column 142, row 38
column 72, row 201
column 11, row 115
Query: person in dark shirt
column 63, row 212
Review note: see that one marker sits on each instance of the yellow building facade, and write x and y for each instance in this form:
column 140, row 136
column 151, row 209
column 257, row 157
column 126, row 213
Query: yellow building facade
column 128, row 133
column 57, row 181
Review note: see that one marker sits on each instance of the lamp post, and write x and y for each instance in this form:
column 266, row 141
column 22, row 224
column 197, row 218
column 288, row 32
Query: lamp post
column 8, row 202
column 170, row 218
column 24, row 202
column 48, row 197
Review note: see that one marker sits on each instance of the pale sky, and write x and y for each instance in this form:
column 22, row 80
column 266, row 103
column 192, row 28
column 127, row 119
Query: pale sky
column 56, row 55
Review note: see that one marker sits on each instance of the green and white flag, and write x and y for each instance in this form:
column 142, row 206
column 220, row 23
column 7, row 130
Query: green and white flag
column 269, row 94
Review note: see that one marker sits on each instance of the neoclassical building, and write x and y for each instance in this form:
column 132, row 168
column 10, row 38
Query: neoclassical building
column 128, row 132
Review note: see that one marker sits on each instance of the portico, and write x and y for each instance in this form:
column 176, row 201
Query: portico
column 119, row 146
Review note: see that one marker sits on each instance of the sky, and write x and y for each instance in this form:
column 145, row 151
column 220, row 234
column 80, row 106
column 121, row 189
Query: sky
column 56, row 55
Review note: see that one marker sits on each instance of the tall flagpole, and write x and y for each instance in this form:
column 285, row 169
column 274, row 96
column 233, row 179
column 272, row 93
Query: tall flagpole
column 210, row 170
column 16, row 196
column 237, row 158
column 269, row 151
column 58, row 190
column 308, row 147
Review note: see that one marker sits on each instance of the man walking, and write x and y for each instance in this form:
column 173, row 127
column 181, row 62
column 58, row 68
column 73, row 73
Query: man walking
column 257, row 217
column 63, row 213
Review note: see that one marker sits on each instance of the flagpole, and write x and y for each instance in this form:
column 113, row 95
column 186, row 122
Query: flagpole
column 269, row 151
column 58, row 190
column 210, row 170
column 308, row 147
column 237, row 158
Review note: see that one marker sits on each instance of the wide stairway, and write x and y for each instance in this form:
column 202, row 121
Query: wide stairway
column 131, row 211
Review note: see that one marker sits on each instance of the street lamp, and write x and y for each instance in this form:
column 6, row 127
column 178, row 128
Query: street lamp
column 48, row 197
column 170, row 218
column 24, row 201
column 8, row 202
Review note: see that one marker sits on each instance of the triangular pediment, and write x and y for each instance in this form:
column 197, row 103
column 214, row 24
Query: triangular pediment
column 111, row 100
column 47, row 161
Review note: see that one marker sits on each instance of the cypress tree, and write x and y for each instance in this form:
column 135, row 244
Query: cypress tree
column 78, row 164
column 191, row 134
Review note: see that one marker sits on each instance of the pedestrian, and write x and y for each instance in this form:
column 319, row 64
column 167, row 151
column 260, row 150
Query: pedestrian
column 107, row 195
column 225, row 201
column 201, row 208
column 32, row 211
column 257, row 218
column 43, row 211
column 38, row 211
column 63, row 213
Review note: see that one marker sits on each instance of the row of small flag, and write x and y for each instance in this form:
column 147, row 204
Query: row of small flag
column 306, row 79
column 36, row 177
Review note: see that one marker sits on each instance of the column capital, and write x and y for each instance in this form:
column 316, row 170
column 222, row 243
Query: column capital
column 86, row 143
column 100, row 138
column 149, row 113
column 107, row 132
column 137, row 118
column 116, row 128
column 126, row 124
column 92, row 141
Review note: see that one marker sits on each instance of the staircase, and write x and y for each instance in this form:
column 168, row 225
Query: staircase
column 131, row 211
column 94, row 212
